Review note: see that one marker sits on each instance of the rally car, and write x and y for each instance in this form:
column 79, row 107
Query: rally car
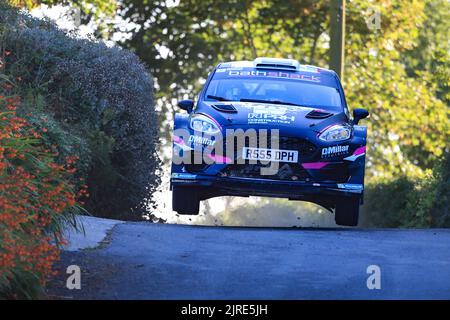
column 270, row 127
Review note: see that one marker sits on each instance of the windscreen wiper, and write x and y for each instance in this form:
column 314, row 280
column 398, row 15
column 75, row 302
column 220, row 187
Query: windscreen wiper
column 270, row 101
column 217, row 98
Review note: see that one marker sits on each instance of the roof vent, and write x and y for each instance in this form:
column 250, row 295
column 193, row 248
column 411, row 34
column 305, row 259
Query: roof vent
column 275, row 63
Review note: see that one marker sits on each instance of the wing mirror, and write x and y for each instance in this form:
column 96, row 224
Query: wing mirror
column 187, row 105
column 359, row 114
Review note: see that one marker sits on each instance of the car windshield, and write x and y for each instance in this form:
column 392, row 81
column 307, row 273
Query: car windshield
column 275, row 90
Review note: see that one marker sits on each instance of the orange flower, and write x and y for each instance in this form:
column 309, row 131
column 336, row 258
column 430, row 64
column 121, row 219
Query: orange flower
column 31, row 197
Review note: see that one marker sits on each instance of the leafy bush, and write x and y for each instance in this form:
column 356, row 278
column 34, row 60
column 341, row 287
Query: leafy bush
column 422, row 200
column 36, row 202
column 97, row 104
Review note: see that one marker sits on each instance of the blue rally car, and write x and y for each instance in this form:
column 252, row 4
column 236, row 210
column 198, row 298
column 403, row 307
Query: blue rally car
column 270, row 127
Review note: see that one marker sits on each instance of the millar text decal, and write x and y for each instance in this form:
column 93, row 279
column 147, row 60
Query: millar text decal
column 334, row 151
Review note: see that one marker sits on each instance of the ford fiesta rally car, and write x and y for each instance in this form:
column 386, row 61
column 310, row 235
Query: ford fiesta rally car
column 270, row 127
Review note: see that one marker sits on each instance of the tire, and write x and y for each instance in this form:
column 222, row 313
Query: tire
column 347, row 212
column 185, row 200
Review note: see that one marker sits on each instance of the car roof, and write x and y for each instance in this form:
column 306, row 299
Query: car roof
column 274, row 64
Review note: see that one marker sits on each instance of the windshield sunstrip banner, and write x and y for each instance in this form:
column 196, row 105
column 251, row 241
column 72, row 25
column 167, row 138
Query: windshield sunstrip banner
column 233, row 73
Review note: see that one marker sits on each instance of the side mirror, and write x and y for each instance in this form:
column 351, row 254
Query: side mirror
column 359, row 114
column 187, row 105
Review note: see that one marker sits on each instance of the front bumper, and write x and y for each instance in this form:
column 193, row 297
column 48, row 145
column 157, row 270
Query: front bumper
column 294, row 190
column 319, row 176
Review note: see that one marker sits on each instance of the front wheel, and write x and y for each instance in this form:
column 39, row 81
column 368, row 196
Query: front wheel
column 185, row 200
column 347, row 212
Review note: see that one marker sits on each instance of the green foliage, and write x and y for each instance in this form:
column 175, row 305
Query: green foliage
column 409, row 124
column 101, row 12
column 440, row 188
column 431, row 56
column 96, row 103
column 405, row 201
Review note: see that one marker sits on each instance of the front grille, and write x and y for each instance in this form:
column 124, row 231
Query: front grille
column 333, row 173
column 304, row 147
column 286, row 171
column 336, row 172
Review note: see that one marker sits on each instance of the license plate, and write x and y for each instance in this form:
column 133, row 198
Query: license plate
column 270, row 154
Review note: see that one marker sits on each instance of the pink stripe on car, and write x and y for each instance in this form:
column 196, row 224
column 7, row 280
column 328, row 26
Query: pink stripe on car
column 360, row 150
column 314, row 165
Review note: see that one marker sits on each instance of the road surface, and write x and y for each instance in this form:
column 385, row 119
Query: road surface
column 157, row 261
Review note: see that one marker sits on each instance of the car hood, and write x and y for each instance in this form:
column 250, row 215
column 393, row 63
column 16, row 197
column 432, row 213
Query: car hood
column 268, row 115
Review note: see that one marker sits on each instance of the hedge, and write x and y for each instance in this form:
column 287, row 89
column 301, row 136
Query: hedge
column 78, row 129
column 421, row 200
column 97, row 103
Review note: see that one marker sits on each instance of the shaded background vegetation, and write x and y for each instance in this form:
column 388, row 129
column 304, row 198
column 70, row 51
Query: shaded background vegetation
column 96, row 103
column 400, row 72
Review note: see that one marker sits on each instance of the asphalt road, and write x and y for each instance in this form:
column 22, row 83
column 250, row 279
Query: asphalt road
column 155, row 261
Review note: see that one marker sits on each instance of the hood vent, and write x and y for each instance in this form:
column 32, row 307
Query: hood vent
column 229, row 108
column 318, row 114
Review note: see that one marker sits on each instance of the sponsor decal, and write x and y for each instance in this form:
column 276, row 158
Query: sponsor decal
column 264, row 118
column 273, row 74
column 353, row 187
column 334, row 151
column 269, row 109
column 263, row 114
column 180, row 145
column 201, row 140
column 184, row 175
column 229, row 69
column 308, row 69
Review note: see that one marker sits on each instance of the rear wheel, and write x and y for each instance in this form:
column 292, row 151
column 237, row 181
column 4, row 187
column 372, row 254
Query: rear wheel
column 185, row 199
column 347, row 212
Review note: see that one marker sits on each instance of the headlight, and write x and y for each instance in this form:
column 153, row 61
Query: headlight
column 201, row 123
column 336, row 133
